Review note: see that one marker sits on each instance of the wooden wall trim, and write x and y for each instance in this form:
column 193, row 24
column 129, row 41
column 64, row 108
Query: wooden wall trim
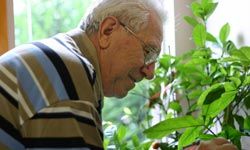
column 3, row 27
column 6, row 26
column 11, row 24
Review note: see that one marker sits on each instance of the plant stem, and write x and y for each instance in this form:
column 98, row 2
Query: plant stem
column 211, row 131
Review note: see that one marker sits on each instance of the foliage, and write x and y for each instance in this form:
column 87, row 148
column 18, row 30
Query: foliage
column 123, row 129
column 48, row 17
column 212, row 79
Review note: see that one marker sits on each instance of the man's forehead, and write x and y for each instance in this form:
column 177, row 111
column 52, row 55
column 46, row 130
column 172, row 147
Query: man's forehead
column 156, row 36
column 157, row 26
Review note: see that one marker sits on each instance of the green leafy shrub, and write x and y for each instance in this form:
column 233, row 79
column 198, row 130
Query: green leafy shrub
column 214, row 85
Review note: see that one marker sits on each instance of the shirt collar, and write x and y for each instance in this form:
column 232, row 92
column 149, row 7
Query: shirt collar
column 87, row 49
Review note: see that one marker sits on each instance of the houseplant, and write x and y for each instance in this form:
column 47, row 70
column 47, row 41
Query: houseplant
column 214, row 85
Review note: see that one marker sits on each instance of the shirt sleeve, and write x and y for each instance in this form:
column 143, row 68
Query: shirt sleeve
column 10, row 137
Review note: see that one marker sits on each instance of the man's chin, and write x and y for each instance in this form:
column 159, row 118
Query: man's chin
column 121, row 95
column 123, row 92
column 116, row 94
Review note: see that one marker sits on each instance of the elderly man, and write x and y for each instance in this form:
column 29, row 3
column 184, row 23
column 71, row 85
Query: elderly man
column 51, row 91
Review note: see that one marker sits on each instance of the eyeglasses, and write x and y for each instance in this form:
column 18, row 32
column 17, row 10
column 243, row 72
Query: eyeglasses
column 150, row 53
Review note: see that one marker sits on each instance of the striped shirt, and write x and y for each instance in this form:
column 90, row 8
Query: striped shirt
column 51, row 94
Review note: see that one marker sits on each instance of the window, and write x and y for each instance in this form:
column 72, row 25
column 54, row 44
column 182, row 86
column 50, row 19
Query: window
column 37, row 19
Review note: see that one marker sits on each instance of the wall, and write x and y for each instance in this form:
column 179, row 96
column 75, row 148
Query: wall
column 236, row 13
column 6, row 26
column 183, row 31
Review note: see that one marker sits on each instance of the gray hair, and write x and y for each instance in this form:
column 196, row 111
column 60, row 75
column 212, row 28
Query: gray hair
column 133, row 13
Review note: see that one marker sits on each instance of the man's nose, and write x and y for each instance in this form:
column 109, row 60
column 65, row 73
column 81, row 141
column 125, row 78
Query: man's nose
column 148, row 71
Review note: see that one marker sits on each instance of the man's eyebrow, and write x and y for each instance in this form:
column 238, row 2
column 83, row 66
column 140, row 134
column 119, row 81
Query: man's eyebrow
column 153, row 45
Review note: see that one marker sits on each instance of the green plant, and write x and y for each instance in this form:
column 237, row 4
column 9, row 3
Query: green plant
column 120, row 140
column 122, row 128
column 214, row 85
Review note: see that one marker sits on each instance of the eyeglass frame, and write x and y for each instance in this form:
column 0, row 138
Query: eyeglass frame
column 150, row 53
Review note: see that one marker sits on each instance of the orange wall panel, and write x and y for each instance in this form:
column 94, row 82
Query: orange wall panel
column 3, row 27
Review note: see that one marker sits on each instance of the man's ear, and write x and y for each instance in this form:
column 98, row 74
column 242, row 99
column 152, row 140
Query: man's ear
column 106, row 28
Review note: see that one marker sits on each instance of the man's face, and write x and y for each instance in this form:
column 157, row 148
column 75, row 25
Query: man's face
column 123, row 63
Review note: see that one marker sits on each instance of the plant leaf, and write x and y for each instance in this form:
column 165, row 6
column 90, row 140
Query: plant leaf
column 218, row 105
column 195, row 94
column 236, row 81
column 168, row 126
column 192, row 21
column 231, row 132
column 246, row 81
column 145, row 145
column 135, row 141
column 189, row 136
column 205, row 2
column 245, row 51
column 224, row 32
column 203, row 53
column 175, row 106
column 243, row 55
column 209, row 9
column 230, row 86
column 121, row 132
column 230, row 46
column 247, row 123
column 206, row 80
column 204, row 96
column 199, row 35
column 106, row 143
column 206, row 137
column 197, row 61
column 211, row 38
column 165, row 61
column 197, row 10
column 127, row 111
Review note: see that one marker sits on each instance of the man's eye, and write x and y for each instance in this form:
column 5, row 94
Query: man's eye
column 147, row 49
